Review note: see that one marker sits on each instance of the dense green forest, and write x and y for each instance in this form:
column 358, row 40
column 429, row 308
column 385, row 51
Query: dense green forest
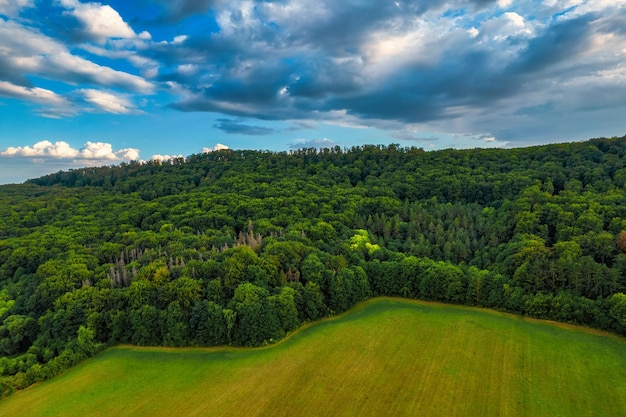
column 242, row 247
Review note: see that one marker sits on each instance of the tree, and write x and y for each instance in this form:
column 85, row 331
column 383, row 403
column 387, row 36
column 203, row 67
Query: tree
column 532, row 258
column 283, row 305
column 617, row 312
column 146, row 325
column 176, row 332
column 235, row 267
column 17, row 333
column 340, row 291
column 314, row 306
column 255, row 324
column 476, row 289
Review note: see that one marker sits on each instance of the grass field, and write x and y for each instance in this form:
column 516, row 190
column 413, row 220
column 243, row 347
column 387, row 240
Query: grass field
column 387, row 357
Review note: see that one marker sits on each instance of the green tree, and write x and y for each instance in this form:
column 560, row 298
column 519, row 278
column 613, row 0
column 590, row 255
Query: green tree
column 176, row 331
column 255, row 324
column 283, row 305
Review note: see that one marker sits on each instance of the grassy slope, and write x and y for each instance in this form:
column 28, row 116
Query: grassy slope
column 387, row 357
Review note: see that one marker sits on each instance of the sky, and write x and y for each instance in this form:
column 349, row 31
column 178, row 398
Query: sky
column 97, row 83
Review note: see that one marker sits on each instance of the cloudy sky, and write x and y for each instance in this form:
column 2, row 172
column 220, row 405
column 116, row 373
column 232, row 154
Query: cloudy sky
column 95, row 83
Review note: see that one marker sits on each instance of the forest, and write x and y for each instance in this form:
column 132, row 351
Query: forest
column 242, row 247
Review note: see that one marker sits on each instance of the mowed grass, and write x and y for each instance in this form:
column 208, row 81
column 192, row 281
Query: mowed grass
column 387, row 357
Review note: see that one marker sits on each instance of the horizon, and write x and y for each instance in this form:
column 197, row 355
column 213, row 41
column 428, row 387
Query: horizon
column 220, row 147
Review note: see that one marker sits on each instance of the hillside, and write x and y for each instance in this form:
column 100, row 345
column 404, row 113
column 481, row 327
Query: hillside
column 242, row 247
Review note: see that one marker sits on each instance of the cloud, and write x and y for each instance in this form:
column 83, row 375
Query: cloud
column 72, row 69
column 431, row 66
column 43, row 148
column 481, row 67
column 99, row 22
column 414, row 136
column 27, row 54
column 92, row 151
column 55, row 104
column 176, row 10
column 128, row 154
column 559, row 43
column 217, row 147
column 108, row 102
column 26, row 51
column 12, row 8
column 164, row 158
column 236, row 127
column 312, row 143
column 129, row 55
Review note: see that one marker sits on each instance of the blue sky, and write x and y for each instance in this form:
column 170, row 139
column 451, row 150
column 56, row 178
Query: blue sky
column 96, row 83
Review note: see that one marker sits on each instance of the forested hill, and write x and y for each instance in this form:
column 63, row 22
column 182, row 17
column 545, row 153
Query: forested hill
column 241, row 247
column 482, row 176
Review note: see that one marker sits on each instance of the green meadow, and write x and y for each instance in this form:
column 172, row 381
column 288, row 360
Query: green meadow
column 385, row 357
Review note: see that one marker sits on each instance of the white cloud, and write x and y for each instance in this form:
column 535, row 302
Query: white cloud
column 130, row 154
column 98, row 150
column 59, row 150
column 20, row 41
column 100, row 22
column 129, row 55
column 24, row 51
column 108, row 102
column 150, row 72
column 12, row 7
column 499, row 28
column 43, row 148
column 71, row 68
column 92, row 151
column 312, row 143
column 187, row 69
column 35, row 94
column 515, row 18
column 391, row 48
column 217, row 147
column 56, row 105
column 179, row 39
column 164, row 158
